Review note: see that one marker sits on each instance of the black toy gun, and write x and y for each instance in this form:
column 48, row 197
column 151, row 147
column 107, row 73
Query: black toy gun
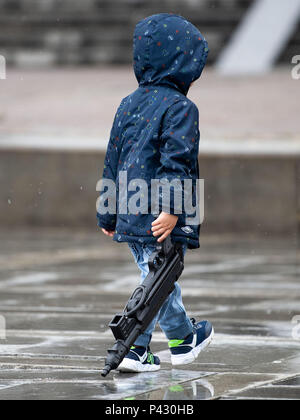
column 165, row 267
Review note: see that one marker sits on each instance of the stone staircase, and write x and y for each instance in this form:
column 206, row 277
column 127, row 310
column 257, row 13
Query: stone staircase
column 71, row 32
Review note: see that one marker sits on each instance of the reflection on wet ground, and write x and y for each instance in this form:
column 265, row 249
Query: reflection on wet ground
column 199, row 389
column 59, row 290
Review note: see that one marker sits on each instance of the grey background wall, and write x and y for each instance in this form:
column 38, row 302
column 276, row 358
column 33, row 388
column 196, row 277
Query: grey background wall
column 242, row 194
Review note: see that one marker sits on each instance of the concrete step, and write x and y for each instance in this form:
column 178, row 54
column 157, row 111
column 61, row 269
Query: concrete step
column 46, row 28
column 44, row 6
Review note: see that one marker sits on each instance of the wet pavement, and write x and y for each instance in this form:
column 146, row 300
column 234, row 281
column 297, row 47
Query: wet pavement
column 59, row 290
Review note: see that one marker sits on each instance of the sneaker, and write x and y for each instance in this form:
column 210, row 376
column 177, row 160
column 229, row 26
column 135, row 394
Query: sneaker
column 186, row 351
column 140, row 359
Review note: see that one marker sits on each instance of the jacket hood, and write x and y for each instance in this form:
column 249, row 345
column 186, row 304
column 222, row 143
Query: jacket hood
column 168, row 49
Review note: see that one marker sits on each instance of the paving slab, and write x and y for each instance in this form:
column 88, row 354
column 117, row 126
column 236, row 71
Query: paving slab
column 57, row 309
column 269, row 393
column 289, row 382
column 209, row 387
column 89, row 385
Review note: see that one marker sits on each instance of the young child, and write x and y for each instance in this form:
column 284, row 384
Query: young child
column 155, row 135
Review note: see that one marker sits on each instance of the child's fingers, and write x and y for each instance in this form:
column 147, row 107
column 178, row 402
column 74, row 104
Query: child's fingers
column 159, row 232
column 157, row 221
column 157, row 227
column 164, row 236
column 108, row 233
column 162, row 226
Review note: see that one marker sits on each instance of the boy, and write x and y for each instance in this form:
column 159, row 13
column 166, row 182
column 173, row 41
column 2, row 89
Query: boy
column 155, row 135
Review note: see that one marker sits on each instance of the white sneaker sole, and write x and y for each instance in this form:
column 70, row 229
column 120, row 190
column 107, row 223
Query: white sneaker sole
column 129, row 365
column 185, row 359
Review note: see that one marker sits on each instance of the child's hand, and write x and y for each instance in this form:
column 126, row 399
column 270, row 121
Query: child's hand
column 108, row 232
column 164, row 225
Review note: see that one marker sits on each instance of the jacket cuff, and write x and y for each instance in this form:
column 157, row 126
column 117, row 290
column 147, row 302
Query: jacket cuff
column 109, row 224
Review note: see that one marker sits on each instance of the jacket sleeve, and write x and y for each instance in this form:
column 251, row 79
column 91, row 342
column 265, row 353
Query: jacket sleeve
column 108, row 220
column 179, row 148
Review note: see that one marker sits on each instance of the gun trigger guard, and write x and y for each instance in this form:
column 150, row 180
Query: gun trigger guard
column 155, row 261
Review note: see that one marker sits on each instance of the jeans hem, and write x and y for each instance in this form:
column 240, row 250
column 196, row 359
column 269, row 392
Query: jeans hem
column 143, row 340
column 180, row 332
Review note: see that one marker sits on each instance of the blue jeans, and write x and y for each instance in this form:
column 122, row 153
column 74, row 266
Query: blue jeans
column 172, row 317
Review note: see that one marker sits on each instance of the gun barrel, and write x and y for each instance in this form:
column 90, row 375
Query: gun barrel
column 105, row 371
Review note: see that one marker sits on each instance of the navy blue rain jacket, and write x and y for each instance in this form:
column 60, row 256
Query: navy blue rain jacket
column 155, row 133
